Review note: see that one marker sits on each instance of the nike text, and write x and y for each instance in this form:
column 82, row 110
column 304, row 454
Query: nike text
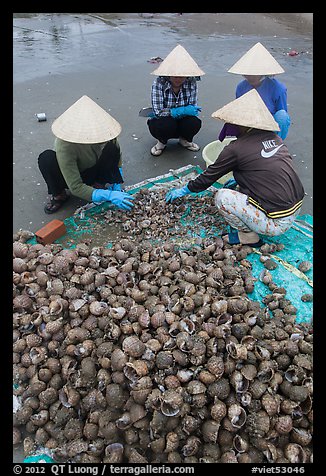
column 269, row 144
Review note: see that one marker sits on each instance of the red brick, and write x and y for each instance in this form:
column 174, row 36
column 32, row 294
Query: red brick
column 50, row 232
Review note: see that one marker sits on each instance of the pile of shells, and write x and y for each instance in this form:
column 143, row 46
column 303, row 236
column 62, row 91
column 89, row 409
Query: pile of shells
column 142, row 353
column 151, row 218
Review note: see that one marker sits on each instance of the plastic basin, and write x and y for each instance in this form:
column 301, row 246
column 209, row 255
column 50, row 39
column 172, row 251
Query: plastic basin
column 212, row 150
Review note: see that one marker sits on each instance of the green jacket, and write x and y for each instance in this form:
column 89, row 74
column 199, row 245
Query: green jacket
column 75, row 158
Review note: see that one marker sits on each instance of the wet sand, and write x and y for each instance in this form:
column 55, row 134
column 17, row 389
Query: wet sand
column 58, row 58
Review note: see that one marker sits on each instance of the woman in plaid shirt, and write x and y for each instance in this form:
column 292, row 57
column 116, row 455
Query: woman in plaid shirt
column 174, row 101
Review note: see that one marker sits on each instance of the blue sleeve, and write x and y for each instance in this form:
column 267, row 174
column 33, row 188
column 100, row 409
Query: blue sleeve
column 242, row 88
column 281, row 97
column 274, row 94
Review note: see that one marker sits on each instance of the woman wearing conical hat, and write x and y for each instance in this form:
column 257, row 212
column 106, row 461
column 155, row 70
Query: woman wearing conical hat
column 174, row 101
column 86, row 159
column 269, row 192
column 258, row 67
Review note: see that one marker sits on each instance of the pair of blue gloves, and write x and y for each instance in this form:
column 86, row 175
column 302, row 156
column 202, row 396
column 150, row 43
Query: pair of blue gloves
column 182, row 111
column 115, row 195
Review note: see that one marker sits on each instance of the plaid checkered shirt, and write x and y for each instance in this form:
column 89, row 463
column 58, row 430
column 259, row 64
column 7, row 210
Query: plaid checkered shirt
column 164, row 98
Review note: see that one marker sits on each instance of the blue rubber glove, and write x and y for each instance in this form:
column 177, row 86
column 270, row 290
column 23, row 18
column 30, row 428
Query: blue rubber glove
column 230, row 184
column 119, row 199
column 182, row 111
column 177, row 193
column 115, row 186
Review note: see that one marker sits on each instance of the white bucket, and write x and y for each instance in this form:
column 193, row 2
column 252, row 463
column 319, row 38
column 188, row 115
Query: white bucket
column 212, row 150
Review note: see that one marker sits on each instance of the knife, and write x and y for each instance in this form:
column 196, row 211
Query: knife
column 146, row 112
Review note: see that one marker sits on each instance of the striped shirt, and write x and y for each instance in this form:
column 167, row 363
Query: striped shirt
column 164, row 98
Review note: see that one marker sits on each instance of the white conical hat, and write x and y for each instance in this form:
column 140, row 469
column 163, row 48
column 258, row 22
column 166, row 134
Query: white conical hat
column 257, row 61
column 85, row 122
column 178, row 63
column 248, row 110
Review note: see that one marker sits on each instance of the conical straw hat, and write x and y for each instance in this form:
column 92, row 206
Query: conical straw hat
column 257, row 61
column 178, row 63
column 248, row 110
column 85, row 122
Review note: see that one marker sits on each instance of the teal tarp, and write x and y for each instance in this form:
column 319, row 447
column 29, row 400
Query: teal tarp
column 298, row 247
column 298, row 243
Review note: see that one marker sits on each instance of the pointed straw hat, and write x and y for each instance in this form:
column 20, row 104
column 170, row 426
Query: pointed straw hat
column 178, row 63
column 85, row 122
column 257, row 61
column 248, row 110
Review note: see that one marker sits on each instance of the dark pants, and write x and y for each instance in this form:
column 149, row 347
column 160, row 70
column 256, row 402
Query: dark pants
column 104, row 171
column 165, row 128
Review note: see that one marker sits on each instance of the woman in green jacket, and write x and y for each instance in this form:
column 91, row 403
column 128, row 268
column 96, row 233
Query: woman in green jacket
column 87, row 158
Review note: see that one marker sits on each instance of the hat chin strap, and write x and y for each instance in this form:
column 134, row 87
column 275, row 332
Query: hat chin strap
column 244, row 130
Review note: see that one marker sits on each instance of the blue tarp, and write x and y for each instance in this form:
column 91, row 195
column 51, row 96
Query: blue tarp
column 298, row 243
column 298, row 247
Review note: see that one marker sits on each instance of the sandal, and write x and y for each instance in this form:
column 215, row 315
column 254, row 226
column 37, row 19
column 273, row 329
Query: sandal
column 157, row 150
column 55, row 204
column 233, row 239
column 189, row 145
